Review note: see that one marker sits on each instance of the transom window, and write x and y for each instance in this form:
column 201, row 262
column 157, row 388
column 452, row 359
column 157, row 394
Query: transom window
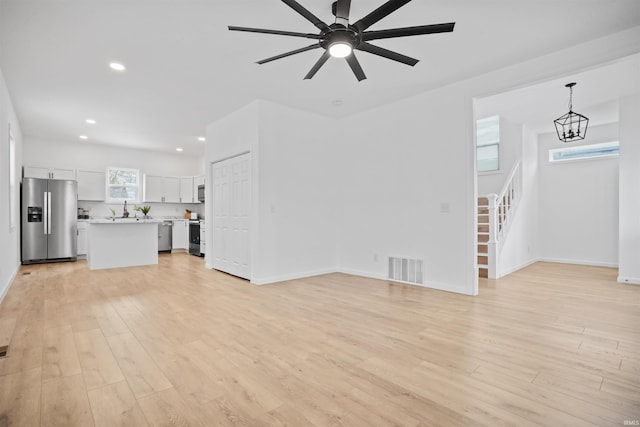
column 488, row 144
column 591, row 151
column 123, row 184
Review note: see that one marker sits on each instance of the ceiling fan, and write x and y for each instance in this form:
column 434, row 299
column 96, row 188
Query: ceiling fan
column 341, row 38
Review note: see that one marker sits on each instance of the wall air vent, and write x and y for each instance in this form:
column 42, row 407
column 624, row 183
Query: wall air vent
column 406, row 270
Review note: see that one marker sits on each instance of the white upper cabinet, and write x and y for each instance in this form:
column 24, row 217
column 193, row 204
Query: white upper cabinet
column 91, row 185
column 48, row 173
column 153, row 188
column 186, row 190
column 161, row 189
column 172, row 189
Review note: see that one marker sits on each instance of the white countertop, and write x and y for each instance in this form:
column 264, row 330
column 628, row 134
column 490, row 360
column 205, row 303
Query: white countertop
column 124, row 221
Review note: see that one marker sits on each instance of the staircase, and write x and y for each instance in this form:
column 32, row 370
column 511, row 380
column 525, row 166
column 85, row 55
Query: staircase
column 495, row 215
column 483, row 237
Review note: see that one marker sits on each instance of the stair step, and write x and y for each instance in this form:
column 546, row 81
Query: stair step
column 483, row 272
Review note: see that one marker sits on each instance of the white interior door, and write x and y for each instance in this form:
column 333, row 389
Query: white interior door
column 231, row 199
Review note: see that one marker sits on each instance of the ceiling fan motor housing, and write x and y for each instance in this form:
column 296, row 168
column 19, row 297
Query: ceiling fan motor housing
column 340, row 34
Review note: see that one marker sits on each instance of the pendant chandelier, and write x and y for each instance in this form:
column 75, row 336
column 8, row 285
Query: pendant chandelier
column 571, row 126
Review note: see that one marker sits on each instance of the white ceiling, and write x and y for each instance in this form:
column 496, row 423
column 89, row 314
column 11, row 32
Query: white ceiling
column 186, row 70
column 595, row 95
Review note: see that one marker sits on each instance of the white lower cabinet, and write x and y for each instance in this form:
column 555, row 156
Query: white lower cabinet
column 180, row 234
column 83, row 228
column 203, row 242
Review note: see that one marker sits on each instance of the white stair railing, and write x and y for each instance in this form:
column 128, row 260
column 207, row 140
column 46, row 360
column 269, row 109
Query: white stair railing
column 502, row 208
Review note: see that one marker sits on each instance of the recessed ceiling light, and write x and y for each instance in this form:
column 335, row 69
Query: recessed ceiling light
column 178, row 149
column 84, row 137
column 117, row 66
column 202, row 138
column 91, row 121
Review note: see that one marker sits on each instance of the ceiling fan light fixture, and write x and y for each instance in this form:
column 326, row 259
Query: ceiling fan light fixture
column 340, row 49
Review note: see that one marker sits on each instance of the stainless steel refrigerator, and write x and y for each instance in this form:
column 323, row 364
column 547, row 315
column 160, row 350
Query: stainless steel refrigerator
column 49, row 222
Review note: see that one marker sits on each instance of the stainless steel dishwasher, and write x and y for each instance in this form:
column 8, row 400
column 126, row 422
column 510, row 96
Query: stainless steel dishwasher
column 164, row 236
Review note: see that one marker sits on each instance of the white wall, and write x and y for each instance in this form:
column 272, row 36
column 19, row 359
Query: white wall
column 9, row 237
column 298, row 194
column 579, row 203
column 520, row 246
column 88, row 156
column 402, row 162
column 629, row 225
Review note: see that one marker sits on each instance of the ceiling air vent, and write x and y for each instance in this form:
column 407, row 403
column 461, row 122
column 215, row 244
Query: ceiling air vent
column 406, row 270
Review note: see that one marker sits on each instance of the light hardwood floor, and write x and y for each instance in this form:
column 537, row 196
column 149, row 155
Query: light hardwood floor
column 179, row 345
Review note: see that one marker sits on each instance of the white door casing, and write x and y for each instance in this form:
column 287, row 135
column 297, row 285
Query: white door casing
column 231, row 201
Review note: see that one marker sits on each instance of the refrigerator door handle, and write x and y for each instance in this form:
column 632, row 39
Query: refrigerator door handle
column 46, row 212
column 49, row 213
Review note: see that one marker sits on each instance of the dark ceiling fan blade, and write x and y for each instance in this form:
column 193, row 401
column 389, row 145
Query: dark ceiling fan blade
column 293, row 52
column 355, row 67
column 342, row 12
column 306, row 14
column 317, row 65
column 384, row 10
column 277, row 32
column 386, row 53
column 408, row 31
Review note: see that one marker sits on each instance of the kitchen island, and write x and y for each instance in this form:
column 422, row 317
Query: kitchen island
column 122, row 242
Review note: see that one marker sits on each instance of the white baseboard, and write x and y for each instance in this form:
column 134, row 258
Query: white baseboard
column 302, row 275
column 6, row 286
column 518, row 267
column 429, row 285
column 580, row 262
column 629, row 280
column 361, row 274
column 293, row 276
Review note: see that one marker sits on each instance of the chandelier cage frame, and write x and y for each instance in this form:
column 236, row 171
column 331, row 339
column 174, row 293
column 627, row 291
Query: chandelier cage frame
column 571, row 126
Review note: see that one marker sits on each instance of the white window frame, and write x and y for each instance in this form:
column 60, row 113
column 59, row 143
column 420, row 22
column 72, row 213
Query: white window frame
column 496, row 144
column 585, row 149
column 138, row 185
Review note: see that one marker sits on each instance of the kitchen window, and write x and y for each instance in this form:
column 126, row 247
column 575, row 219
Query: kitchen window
column 488, row 144
column 123, row 184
